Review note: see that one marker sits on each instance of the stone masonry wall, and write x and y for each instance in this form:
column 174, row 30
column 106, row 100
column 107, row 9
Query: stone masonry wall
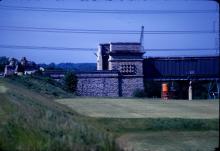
column 130, row 84
column 108, row 85
column 98, row 85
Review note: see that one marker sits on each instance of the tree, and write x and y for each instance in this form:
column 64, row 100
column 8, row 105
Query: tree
column 70, row 81
column 51, row 66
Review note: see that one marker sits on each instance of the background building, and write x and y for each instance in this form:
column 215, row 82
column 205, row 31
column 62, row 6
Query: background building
column 119, row 71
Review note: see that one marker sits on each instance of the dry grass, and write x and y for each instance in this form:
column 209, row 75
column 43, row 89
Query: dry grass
column 170, row 141
column 144, row 108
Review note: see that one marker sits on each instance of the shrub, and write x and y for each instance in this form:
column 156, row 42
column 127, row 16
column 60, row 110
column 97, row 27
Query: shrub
column 70, row 81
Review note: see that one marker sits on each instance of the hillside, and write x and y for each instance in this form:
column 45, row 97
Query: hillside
column 77, row 66
column 30, row 120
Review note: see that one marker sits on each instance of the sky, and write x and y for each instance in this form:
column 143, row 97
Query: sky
column 185, row 15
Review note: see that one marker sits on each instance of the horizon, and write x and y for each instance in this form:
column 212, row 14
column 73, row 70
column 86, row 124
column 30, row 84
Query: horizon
column 144, row 57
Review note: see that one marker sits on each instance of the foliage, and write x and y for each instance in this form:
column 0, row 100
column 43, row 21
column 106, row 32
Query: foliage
column 51, row 66
column 42, row 85
column 70, row 81
column 77, row 66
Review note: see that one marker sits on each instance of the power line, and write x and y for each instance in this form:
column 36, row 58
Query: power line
column 93, row 31
column 47, row 48
column 94, row 49
column 46, row 9
column 188, row 49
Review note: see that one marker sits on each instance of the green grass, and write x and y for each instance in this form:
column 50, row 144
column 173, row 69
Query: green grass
column 3, row 89
column 42, row 85
column 122, row 126
column 170, row 141
column 30, row 120
column 144, row 108
column 184, row 121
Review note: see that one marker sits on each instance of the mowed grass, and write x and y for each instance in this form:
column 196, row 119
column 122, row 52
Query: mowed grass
column 170, row 141
column 154, row 125
column 143, row 108
column 3, row 89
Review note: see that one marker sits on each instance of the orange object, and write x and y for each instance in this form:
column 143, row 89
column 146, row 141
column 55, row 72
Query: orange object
column 164, row 87
column 164, row 92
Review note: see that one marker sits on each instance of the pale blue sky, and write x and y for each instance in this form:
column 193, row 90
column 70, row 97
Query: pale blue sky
column 103, row 21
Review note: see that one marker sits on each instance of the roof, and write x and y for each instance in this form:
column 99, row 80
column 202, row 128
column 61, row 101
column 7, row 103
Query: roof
column 125, row 43
column 182, row 57
column 127, row 47
column 120, row 43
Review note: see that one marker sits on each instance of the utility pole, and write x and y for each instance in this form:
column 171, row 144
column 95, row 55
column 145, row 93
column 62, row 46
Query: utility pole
column 190, row 91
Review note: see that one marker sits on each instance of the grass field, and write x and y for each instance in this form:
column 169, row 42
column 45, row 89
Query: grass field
column 144, row 108
column 30, row 119
column 155, row 125
column 3, row 89
column 170, row 141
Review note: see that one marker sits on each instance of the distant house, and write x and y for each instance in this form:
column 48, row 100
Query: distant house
column 11, row 68
column 23, row 67
column 29, row 66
